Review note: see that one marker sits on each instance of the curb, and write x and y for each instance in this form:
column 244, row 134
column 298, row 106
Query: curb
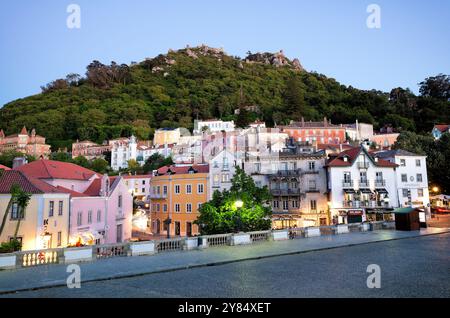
column 218, row 263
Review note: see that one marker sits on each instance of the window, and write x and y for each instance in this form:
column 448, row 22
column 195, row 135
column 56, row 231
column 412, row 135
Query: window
column 379, row 176
column 158, row 207
column 276, row 204
column 119, row 201
column 143, row 182
column 258, row 167
column 312, row 184
column 99, row 216
column 404, row 177
column 347, row 177
column 89, row 217
column 285, row 204
column 225, row 177
column 313, row 205
column 295, row 203
column 418, row 163
column 60, row 208
column 200, row 188
column 405, row 193
column 177, row 208
column 165, row 208
column 419, row 177
column 15, row 214
column 188, row 208
column 199, row 205
column 311, row 165
column 216, row 180
column 402, row 162
column 177, row 189
column 58, row 241
column 188, row 188
column 164, row 189
column 51, row 208
column 420, row 192
column 79, row 218
column 143, row 190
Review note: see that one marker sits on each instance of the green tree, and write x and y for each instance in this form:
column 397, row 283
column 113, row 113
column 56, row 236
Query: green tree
column 7, row 157
column 99, row 165
column 155, row 162
column 244, row 208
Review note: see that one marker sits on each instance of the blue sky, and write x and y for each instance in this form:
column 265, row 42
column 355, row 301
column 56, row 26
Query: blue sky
column 330, row 37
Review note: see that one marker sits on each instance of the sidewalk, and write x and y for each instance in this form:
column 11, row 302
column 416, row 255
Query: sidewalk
column 55, row 275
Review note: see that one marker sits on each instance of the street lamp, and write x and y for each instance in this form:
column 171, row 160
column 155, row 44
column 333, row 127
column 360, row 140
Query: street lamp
column 238, row 204
column 435, row 189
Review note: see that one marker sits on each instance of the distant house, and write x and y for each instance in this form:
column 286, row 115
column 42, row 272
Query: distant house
column 212, row 125
column 440, row 129
column 28, row 144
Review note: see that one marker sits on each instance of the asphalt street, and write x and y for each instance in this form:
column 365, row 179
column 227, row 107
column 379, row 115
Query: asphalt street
column 413, row 267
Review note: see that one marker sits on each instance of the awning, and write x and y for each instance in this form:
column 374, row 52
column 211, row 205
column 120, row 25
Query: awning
column 349, row 191
column 382, row 190
column 365, row 191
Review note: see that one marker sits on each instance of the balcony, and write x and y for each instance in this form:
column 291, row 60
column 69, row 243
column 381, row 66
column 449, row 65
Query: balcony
column 364, row 183
column 347, row 183
column 158, row 195
column 380, row 183
column 312, row 190
column 366, row 204
column 351, row 204
column 287, row 173
column 311, row 171
column 120, row 216
column 285, row 192
column 363, row 165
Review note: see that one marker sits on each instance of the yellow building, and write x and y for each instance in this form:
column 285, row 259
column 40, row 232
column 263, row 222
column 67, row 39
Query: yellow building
column 177, row 193
column 45, row 222
column 166, row 136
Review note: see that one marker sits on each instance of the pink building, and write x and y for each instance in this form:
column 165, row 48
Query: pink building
column 29, row 144
column 89, row 149
column 101, row 207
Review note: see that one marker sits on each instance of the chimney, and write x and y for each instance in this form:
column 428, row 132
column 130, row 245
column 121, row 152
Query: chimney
column 325, row 123
column 303, row 122
column 19, row 161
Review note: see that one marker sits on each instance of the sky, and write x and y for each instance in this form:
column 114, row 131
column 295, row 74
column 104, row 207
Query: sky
column 329, row 37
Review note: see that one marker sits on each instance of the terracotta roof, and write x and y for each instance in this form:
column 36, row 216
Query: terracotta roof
column 2, row 167
column 50, row 169
column 442, row 127
column 352, row 155
column 94, row 189
column 139, row 176
column 24, row 131
column 28, row 184
column 183, row 169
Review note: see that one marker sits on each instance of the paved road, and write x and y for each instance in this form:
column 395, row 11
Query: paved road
column 415, row 267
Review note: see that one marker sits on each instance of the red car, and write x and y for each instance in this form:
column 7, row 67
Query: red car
column 439, row 209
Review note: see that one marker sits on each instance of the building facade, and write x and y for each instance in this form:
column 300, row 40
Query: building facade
column 411, row 177
column 28, row 144
column 90, row 150
column 315, row 132
column 212, row 126
column 45, row 221
column 177, row 193
column 296, row 180
column 101, row 206
column 222, row 168
column 361, row 187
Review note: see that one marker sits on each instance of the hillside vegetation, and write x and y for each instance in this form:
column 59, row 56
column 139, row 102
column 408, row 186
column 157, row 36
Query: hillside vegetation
column 173, row 89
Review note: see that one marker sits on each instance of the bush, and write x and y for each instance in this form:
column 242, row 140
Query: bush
column 9, row 247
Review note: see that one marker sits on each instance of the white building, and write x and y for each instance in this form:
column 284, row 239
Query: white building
column 138, row 186
column 411, row 177
column 361, row 187
column 125, row 149
column 359, row 131
column 213, row 125
column 222, row 168
column 122, row 150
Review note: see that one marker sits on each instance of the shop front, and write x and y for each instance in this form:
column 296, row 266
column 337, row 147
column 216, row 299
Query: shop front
column 379, row 215
column 280, row 221
column 350, row 216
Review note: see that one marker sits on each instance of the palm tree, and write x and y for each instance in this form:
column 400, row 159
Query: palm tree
column 15, row 189
column 23, row 199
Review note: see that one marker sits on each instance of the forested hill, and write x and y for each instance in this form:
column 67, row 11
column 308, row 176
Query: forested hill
column 175, row 88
